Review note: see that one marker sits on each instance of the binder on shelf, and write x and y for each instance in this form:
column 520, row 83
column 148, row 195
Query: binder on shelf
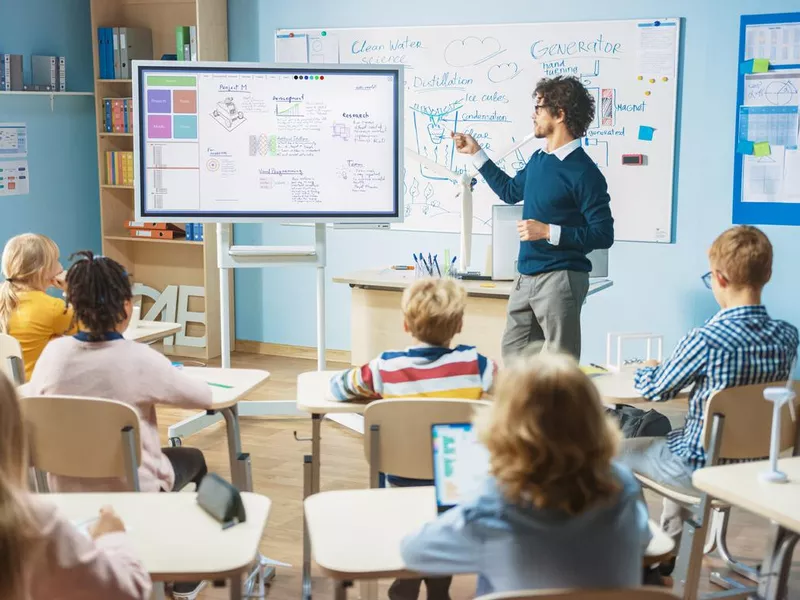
column 189, row 231
column 115, row 38
column 181, row 40
column 192, row 42
column 164, row 234
column 149, row 225
column 62, row 74
column 136, row 43
column 11, row 67
column 44, row 71
column 198, row 232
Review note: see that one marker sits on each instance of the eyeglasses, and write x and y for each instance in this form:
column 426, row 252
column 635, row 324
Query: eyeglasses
column 707, row 279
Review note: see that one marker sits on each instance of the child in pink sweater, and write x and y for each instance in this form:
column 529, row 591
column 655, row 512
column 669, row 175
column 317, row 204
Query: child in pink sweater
column 44, row 556
column 99, row 362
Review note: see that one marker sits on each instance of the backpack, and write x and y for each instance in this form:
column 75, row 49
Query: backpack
column 635, row 422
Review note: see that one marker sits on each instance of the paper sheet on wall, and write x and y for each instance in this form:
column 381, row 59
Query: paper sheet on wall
column 14, row 177
column 763, row 177
column 778, row 43
column 13, row 140
column 291, row 49
column 323, row 49
column 772, row 89
column 791, row 176
column 774, row 124
column 657, row 48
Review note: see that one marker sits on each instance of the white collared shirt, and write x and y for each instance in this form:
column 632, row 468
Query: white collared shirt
column 480, row 157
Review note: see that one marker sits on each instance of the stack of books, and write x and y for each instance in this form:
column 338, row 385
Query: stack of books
column 117, row 47
column 164, row 231
column 118, row 117
column 119, row 168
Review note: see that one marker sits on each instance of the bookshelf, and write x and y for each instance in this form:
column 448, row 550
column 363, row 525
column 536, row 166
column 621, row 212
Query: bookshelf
column 156, row 262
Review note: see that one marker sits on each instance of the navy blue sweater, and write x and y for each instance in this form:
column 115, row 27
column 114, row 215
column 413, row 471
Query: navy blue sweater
column 571, row 193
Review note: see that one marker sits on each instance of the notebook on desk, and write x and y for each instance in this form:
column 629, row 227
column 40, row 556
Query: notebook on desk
column 460, row 463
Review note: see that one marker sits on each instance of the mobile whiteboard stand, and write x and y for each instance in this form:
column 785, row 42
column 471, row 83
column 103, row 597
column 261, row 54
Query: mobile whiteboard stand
column 230, row 256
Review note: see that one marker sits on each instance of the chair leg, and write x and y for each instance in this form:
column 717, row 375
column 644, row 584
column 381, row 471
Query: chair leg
column 686, row 577
column 713, row 531
column 722, row 544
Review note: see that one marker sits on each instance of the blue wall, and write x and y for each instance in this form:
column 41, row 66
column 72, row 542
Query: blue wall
column 656, row 287
column 62, row 145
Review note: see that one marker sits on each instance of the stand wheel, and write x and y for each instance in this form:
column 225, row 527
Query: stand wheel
column 175, row 442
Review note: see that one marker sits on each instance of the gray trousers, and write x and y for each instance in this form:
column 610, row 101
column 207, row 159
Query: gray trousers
column 651, row 457
column 546, row 308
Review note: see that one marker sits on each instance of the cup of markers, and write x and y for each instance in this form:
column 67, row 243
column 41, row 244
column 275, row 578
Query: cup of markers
column 430, row 266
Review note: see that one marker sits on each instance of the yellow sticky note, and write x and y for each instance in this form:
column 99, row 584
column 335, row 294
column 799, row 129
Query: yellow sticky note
column 760, row 65
column 761, row 149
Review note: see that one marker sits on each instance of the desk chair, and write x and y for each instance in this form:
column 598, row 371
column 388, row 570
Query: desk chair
column 397, row 436
column 746, row 419
column 644, row 593
column 11, row 362
column 83, row 437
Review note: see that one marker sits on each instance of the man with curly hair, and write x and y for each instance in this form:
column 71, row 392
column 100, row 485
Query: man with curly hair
column 566, row 215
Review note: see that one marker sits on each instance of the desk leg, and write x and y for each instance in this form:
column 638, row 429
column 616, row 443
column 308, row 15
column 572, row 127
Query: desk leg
column 307, row 484
column 239, row 471
column 235, row 587
column 316, row 443
column 777, row 564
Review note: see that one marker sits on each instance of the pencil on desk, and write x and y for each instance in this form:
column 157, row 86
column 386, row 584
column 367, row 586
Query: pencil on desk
column 220, row 385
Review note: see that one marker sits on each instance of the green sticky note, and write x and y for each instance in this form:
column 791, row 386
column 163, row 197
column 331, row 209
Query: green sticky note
column 760, row 65
column 761, row 149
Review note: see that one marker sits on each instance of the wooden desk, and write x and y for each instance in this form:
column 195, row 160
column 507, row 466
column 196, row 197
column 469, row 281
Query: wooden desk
column 229, row 386
column 376, row 322
column 174, row 538
column 740, row 485
column 374, row 522
column 151, row 331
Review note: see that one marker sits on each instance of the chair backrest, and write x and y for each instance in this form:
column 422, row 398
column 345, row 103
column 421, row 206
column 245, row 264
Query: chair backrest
column 748, row 421
column 404, row 446
column 84, row 437
column 11, row 362
column 643, row 593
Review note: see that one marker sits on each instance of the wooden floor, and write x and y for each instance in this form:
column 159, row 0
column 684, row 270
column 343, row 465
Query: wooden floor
column 277, row 473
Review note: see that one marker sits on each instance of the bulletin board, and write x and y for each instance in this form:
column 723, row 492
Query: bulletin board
column 766, row 186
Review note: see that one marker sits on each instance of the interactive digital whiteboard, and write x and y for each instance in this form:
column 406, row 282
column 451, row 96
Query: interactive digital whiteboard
column 234, row 142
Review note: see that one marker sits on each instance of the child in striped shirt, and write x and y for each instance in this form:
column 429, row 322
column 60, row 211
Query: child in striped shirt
column 433, row 313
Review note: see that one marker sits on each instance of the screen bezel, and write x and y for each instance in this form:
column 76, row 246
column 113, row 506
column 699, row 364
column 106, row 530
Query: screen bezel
column 142, row 213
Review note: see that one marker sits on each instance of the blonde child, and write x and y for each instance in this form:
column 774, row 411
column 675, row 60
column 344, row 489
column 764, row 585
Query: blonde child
column 556, row 511
column 433, row 313
column 43, row 555
column 30, row 267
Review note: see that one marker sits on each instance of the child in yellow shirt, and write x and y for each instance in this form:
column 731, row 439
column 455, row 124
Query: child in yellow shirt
column 30, row 267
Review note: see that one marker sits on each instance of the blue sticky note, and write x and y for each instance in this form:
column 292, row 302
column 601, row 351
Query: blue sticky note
column 646, row 133
column 746, row 67
column 744, row 147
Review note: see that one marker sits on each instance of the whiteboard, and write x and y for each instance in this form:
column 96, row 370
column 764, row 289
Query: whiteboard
column 228, row 142
column 479, row 79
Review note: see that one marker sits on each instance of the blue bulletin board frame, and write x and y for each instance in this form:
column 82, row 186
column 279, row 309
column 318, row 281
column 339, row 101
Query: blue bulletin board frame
column 759, row 213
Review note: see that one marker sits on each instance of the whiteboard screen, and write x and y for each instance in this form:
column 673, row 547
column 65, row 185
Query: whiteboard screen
column 479, row 79
column 239, row 142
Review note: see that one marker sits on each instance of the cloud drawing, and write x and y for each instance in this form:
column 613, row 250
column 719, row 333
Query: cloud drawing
column 503, row 72
column 471, row 51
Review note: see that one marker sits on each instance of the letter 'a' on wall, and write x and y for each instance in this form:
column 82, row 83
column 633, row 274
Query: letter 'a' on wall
column 478, row 79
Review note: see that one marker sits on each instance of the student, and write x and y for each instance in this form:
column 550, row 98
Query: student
column 30, row 266
column 433, row 313
column 740, row 345
column 555, row 511
column 43, row 555
column 99, row 362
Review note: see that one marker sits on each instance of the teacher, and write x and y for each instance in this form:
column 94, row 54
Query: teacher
column 566, row 215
